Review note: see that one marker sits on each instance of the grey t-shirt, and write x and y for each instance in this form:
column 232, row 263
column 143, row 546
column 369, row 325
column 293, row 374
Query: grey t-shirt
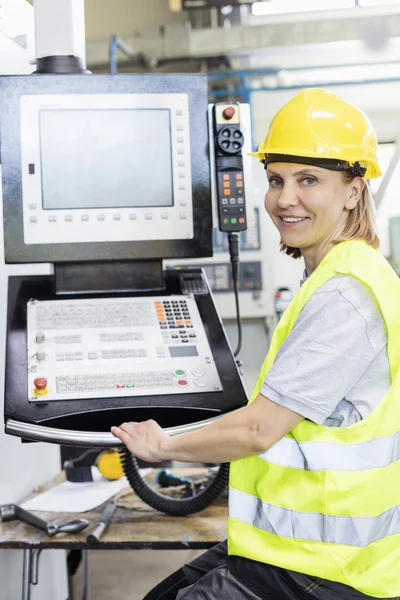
column 333, row 368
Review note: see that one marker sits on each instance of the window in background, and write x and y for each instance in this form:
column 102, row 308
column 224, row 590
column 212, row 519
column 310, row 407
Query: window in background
column 385, row 153
column 389, row 208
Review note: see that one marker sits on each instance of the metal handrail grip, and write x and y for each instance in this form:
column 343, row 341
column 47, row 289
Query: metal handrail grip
column 104, row 439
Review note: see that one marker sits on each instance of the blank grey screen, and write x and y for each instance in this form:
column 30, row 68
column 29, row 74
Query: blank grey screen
column 178, row 351
column 106, row 158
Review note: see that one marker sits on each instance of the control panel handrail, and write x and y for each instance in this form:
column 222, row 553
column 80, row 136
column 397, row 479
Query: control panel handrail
column 103, row 439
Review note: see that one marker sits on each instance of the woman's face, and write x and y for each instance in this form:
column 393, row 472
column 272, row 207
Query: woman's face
column 309, row 205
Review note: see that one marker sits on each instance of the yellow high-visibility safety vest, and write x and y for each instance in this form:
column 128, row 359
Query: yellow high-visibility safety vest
column 325, row 501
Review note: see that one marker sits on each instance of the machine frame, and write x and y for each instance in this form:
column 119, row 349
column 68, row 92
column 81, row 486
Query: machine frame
column 12, row 89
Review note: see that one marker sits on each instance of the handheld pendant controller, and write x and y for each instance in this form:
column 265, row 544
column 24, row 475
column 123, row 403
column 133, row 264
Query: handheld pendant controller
column 228, row 144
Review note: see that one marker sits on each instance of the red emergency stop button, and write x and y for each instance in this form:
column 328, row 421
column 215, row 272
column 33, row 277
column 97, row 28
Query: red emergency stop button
column 40, row 383
column 40, row 388
column 229, row 112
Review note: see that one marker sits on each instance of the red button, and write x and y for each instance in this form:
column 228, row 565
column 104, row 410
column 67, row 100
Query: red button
column 40, row 383
column 241, row 220
column 229, row 112
column 182, row 383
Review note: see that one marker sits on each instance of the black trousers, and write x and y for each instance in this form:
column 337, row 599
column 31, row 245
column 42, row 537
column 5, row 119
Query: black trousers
column 217, row 576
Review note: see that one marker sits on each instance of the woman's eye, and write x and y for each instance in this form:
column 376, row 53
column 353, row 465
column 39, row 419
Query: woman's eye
column 309, row 180
column 275, row 182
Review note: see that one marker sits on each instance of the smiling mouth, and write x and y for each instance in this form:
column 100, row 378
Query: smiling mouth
column 293, row 219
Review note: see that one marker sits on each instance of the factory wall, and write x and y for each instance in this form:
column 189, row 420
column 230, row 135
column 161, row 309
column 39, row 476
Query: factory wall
column 23, row 466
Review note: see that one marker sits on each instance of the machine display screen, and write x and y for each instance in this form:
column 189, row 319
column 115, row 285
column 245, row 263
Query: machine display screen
column 180, row 351
column 98, row 158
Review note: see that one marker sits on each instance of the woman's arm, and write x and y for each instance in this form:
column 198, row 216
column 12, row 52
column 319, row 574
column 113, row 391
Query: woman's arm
column 242, row 433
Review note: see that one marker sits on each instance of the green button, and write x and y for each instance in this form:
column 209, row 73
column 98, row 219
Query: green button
column 226, row 221
column 233, row 221
column 180, row 373
column 130, row 385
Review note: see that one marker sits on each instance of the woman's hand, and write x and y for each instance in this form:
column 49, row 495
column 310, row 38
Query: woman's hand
column 144, row 440
column 241, row 433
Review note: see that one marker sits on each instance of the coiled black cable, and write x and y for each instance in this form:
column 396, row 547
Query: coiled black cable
column 178, row 507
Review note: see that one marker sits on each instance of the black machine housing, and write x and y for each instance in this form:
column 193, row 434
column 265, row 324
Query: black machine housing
column 11, row 90
column 100, row 414
column 78, row 265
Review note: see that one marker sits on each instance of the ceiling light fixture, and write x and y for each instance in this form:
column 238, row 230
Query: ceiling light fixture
column 280, row 7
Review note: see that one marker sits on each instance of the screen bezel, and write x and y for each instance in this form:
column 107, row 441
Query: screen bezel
column 100, row 224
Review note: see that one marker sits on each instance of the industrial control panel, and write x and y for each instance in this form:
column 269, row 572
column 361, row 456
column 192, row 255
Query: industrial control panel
column 117, row 347
column 228, row 144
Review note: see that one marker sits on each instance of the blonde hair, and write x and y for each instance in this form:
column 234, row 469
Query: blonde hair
column 360, row 225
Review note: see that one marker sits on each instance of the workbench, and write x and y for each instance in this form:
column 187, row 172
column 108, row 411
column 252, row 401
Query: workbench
column 136, row 528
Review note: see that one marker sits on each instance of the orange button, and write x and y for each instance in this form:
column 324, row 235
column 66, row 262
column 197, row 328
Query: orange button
column 188, row 322
column 179, row 322
column 225, row 177
column 161, row 317
column 239, row 176
column 239, row 184
column 227, row 192
column 226, row 184
column 158, row 303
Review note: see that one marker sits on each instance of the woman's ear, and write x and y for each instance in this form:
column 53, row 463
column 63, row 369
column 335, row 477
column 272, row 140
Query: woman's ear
column 356, row 188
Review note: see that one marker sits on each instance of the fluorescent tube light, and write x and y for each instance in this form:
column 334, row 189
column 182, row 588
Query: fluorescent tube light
column 280, row 7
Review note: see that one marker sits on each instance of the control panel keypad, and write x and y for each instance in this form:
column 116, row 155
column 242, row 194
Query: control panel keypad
column 174, row 315
column 94, row 315
column 81, row 349
column 234, row 198
column 117, row 381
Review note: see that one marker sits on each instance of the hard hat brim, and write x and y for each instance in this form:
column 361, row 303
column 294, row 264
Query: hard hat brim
column 372, row 169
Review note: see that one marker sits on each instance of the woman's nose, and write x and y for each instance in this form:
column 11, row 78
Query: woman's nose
column 287, row 197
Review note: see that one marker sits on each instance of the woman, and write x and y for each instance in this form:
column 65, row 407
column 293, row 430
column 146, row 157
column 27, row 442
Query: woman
column 314, row 499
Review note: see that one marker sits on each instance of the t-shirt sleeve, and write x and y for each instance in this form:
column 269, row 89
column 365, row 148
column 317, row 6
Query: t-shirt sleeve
column 323, row 357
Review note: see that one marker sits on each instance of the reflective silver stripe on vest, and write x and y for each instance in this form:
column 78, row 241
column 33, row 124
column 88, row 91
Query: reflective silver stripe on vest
column 321, row 456
column 314, row 527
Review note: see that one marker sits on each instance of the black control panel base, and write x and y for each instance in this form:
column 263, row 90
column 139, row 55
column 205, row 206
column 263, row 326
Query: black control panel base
column 100, row 414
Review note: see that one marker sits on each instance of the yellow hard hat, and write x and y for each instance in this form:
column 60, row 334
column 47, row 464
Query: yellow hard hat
column 325, row 129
